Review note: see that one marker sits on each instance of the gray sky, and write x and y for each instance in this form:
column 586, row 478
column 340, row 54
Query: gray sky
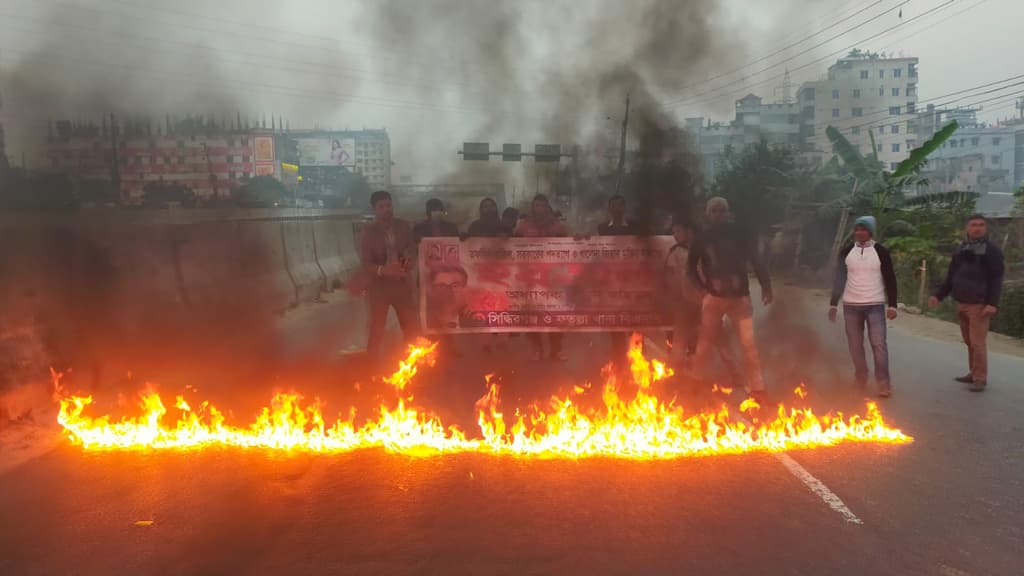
column 326, row 62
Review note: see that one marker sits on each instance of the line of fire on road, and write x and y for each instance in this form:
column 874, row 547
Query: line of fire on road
column 641, row 427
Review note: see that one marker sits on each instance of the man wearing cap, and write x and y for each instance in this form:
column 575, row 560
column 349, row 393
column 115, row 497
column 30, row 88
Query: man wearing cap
column 866, row 282
column 718, row 264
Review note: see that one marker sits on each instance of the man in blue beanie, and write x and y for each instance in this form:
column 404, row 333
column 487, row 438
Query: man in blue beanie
column 866, row 282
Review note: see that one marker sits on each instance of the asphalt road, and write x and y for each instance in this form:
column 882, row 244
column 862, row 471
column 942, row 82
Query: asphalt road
column 950, row 503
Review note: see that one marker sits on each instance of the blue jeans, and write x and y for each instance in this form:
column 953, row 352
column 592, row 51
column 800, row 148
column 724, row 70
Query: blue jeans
column 873, row 315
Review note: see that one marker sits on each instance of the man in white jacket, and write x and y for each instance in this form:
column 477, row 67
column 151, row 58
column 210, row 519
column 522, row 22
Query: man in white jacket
column 866, row 282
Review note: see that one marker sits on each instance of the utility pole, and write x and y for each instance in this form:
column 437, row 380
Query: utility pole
column 622, row 149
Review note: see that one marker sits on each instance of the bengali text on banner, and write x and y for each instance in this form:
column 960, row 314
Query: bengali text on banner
column 612, row 283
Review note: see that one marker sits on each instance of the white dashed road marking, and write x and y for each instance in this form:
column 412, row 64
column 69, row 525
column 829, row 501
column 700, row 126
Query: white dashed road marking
column 816, row 486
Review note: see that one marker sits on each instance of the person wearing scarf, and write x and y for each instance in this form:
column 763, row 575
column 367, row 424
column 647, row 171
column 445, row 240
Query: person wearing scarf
column 975, row 280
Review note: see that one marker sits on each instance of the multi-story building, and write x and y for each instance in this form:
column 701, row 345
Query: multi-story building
column 978, row 157
column 207, row 161
column 778, row 124
column 210, row 160
column 863, row 93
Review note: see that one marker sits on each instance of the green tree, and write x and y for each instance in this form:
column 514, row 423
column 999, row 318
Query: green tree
column 758, row 181
column 261, row 192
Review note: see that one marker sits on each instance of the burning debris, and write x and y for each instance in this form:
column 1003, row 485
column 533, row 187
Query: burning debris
column 636, row 425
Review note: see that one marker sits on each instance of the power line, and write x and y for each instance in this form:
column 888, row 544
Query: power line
column 933, row 25
column 262, row 60
column 808, row 64
column 882, row 110
column 337, row 98
column 375, row 50
column 794, row 44
column 793, row 57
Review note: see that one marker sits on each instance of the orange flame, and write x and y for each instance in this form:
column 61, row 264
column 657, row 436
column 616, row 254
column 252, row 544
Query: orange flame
column 641, row 427
column 801, row 391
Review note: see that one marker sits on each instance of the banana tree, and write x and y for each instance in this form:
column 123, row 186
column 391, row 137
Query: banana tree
column 875, row 189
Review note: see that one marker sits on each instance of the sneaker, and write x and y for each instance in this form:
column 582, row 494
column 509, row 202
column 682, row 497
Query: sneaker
column 559, row 357
column 885, row 392
column 968, row 379
column 977, row 386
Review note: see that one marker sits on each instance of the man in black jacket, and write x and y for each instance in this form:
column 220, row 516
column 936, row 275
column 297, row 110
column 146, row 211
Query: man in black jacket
column 866, row 282
column 719, row 259
column 975, row 279
column 435, row 226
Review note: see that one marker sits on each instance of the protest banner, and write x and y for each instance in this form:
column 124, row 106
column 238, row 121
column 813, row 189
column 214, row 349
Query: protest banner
column 611, row 283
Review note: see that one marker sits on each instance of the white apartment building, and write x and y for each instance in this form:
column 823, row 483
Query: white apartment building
column 863, row 92
column 978, row 157
column 778, row 124
column 373, row 157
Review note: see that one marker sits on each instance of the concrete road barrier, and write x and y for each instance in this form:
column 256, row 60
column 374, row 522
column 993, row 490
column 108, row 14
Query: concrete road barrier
column 300, row 258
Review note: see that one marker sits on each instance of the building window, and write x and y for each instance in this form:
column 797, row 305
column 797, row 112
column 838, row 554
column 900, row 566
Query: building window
column 913, row 70
column 245, row 141
column 858, row 112
column 881, row 73
column 894, row 165
column 895, row 147
column 996, row 141
column 975, row 141
column 897, row 73
column 895, row 91
column 894, row 110
column 246, row 158
column 835, row 94
column 911, row 90
column 863, row 74
column 881, row 91
column 997, row 159
column 895, row 129
column 952, row 143
column 835, row 112
column 911, row 107
column 855, row 130
column 856, row 92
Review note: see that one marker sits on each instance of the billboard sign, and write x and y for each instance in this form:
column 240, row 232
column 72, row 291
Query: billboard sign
column 326, row 151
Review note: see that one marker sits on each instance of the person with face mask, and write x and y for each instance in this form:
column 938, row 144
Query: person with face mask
column 435, row 226
column 866, row 282
column 975, row 279
column 489, row 224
